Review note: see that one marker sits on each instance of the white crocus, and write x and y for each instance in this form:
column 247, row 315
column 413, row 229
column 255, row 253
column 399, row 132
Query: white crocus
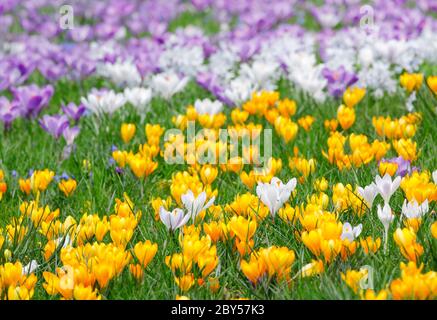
column 351, row 233
column 434, row 176
column 173, row 220
column 412, row 209
column 65, row 241
column 196, row 205
column 386, row 217
column 30, row 267
column 275, row 193
column 306, row 74
column 239, row 90
column 168, row 84
column 206, row 106
column 139, row 98
column 369, row 193
column 100, row 102
column 263, row 74
column 386, row 187
column 121, row 73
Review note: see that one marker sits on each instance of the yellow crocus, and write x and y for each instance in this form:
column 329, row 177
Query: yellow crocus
column 352, row 96
column 67, row 186
column 432, row 83
column 411, row 81
column 127, row 131
column 345, row 116
column 145, row 251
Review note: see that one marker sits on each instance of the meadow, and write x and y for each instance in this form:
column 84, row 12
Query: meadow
column 92, row 208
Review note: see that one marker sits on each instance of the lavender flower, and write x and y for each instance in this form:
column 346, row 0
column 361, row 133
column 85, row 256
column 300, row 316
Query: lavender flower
column 54, row 125
column 338, row 80
column 70, row 134
column 74, row 112
column 32, row 99
column 8, row 112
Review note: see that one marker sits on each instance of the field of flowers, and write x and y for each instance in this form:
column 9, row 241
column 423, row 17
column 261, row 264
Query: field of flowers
column 218, row 149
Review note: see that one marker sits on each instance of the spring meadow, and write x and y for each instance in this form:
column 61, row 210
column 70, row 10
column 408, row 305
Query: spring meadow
column 218, row 150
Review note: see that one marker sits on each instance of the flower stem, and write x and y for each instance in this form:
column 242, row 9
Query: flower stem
column 385, row 240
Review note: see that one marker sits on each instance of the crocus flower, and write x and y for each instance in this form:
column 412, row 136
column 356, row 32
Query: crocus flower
column 14, row 71
column 127, row 131
column 206, row 106
column 139, row 98
column 275, row 193
column 369, row 193
column 411, row 81
column 70, row 134
column 8, row 112
column 168, row 84
column 328, row 16
column 238, row 90
column 403, row 166
column 434, row 176
column 174, row 219
column 432, row 83
column 195, row 205
column 32, row 99
column 386, row 187
column 353, row 95
column 406, row 240
column 103, row 101
column 122, row 74
column 74, row 112
column 54, row 125
column 350, row 233
column 80, row 33
column 338, row 80
column 346, row 116
column 67, row 186
column 412, row 210
column 30, row 267
column 263, row 74
column 386, row 217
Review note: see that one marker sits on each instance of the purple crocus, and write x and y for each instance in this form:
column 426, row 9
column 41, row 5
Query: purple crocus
column 338, row 80
column 70, row 134
column 32, row 99
column 8, row 112
column 74, row 112
column 13, row 71
column 247, row 49
column 52, row 70
column 54, row 125
column 404, row 166
column 80, row 33
column 208, row 81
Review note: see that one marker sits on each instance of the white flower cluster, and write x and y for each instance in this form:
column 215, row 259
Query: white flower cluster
column 376, row 61
column 165, row 85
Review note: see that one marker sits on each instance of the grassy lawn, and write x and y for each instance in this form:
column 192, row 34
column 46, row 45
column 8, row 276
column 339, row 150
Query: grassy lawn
column 26, row 146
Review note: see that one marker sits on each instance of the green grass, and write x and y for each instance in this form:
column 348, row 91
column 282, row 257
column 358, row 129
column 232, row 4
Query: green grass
column 202, row 20
column 27, row 146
